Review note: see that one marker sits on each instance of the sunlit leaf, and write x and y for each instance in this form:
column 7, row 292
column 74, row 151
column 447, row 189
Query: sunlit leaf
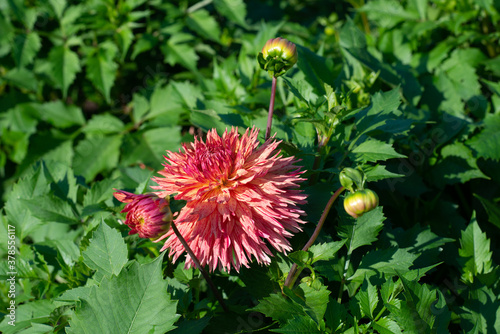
column 145, row 305
column 107, row 252
column 65, row 64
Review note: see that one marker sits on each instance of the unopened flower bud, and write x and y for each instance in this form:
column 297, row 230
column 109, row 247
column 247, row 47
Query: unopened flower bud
column 352, row 179
column 358, row 203
column 278, row 56
column 148, row 215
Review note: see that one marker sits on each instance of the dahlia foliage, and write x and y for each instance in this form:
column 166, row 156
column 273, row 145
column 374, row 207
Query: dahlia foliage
column 148, row 215
column 239, row 195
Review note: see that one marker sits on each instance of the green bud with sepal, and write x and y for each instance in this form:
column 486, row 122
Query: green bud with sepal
column 352, row 179
column 277, row 56
column 360, row 200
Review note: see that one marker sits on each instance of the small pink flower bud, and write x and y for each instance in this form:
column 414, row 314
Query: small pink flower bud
column 148, row 215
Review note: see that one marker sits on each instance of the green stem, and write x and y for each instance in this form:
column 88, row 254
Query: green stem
column 198, row 265
column 271, row 108
column 317, row 161
column 293, row 274
column 346, row 266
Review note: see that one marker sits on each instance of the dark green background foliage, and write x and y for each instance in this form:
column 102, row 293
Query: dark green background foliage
column 93, row 92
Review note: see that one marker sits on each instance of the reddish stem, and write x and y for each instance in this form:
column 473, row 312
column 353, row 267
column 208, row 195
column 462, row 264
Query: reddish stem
column 290, row 279
column 271, row 108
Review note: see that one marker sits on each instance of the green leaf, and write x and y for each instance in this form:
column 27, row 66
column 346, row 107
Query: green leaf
column 379, row 172
column 61, row 115
column 140, row 107
column 335, row 314
column 415, row 313
column 192, row 326
column 177, row 51
column 316, row 300
column 279, row 308
column 107, row 252
column 362, row 231
column 144, row 43
column 325, row 251
column 58, row 6
column 66, row 250
column 136, row 301
column 104, row 124
column 125, row 37
column 300, row 89
column 300, row 257
column 34, row 183
column 388, row 261
column 150, row 146
column 23, row 117
column 234, row 10
column 460, row 68
column 492, row 209
column 487, row 142
column 19, row 142
column 201, row 22
column 373, row 150
column 383, row 109
column 298, row 325
column 96, row 154
column 351, row 37
column 22, row 78
column 457, row 165
column 418, row 239
column 480, row 312
column 388, row 13
column 318, row 70
column 37, row 311
column 262, row 281
column 189, row 94
column 367, row 297
column 100, row 192
column 474, row 251
column 167, row 101
column 7, row 35
column 64, row 66
column 207, row 119
column 387, row 326
column 50, row 208
column 101, row 69
column 355, row 50
column 25, row 48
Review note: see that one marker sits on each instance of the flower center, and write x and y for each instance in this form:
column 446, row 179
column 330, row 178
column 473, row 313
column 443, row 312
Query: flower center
column 215, row 162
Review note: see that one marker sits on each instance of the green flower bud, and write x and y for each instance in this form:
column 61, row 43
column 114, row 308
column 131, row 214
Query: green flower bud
column 352, row 179
column 360, row 202
column 278, row 56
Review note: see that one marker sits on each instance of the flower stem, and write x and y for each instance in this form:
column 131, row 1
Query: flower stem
column 346, row 266
column 198, row 265
column 271, row 108
column 293, row 274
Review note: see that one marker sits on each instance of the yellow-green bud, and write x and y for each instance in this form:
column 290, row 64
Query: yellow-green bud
column 360, row 202
column 278, row 56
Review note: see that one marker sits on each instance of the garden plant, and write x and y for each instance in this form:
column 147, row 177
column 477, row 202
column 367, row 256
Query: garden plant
column 230, row 166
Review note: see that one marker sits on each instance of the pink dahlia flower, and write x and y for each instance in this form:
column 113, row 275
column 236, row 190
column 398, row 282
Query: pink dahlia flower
column 148, row 215
column 239, row 196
